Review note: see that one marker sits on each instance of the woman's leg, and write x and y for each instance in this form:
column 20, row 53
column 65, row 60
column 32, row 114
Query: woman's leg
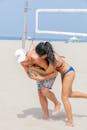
column 66, row 91
column 51, row 96
column 44, row 105
column 77, row 95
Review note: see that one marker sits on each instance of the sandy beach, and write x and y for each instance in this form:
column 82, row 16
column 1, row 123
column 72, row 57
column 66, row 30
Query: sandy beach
column 19, row 103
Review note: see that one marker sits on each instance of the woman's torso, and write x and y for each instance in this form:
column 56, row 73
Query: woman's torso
column 61, row 65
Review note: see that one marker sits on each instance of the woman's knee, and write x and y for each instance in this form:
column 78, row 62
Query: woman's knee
column 40, row 93
column 64, row 97
column 44, row 91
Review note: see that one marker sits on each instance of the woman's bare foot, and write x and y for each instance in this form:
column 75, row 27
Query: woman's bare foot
column 56, row 109
column 70, row 124
column 45, row 117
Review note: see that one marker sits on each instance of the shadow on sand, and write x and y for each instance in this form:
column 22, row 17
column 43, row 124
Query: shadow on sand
column 36, row 112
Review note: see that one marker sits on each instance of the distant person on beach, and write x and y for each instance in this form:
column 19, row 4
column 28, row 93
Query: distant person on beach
column 67, row 76
column 45, row 81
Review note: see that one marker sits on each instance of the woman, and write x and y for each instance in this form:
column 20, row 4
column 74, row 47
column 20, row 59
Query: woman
column 44, row 82
column 67, row 76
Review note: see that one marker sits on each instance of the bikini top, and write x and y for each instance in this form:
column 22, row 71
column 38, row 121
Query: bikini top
column 59, row 66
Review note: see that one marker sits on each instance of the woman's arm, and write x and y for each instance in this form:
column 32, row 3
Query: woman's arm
column 36, row 76
column 26, row 68
column 49, row 70
column 47, row 77
column 29, row 72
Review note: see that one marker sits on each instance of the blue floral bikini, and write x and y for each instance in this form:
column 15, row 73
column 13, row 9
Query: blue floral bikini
column 70, row 69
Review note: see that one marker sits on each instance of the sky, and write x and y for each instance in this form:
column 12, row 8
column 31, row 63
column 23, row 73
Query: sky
column 12, row 18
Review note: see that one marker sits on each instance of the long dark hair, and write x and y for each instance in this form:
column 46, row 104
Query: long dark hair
column 46, row 48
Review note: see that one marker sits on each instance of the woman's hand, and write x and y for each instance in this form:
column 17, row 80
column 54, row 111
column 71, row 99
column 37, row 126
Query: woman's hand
column 38, row 78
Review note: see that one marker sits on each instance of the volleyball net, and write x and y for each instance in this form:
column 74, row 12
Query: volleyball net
column 61, row 23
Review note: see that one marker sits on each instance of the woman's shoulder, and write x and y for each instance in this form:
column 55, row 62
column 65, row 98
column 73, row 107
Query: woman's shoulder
column 57, row 56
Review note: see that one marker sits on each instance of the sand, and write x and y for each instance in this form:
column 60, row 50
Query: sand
column 19, row 104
